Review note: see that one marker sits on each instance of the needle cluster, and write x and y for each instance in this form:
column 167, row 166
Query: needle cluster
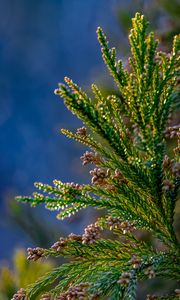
column 134, row 179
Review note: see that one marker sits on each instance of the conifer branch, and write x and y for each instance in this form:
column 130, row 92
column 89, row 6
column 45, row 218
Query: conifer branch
column 133, row 180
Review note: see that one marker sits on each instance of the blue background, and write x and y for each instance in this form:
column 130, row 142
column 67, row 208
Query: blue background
column 40, row 43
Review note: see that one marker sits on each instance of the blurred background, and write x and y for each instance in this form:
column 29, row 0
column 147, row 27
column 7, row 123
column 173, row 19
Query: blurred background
column 40, row 43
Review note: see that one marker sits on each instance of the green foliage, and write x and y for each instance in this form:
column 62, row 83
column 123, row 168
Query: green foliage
column 23, row 273
column 156, row 10
column 135, row 181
